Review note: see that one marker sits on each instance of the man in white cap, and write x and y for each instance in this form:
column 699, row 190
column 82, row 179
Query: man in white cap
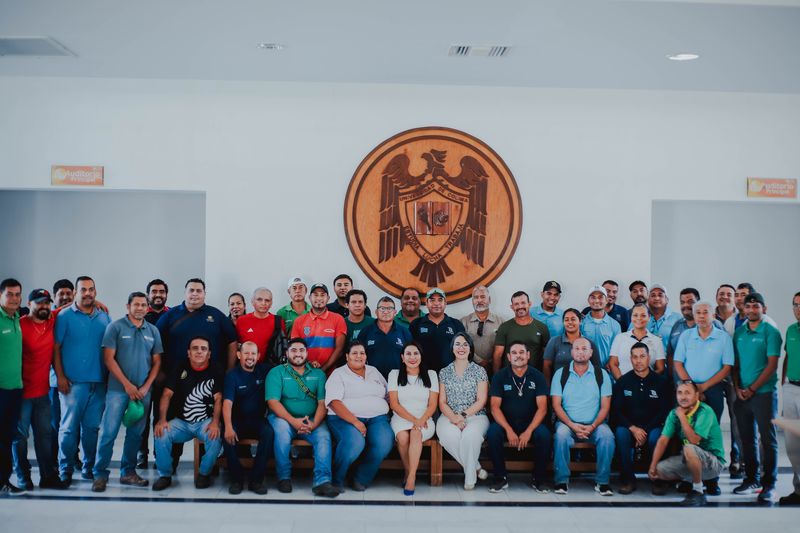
column 662, row 318
column 296, row 288
column 598, row 326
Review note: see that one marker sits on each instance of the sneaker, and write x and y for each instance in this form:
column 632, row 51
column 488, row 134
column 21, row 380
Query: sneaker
column 540, row 487
column 748, row 486
column 66, row 480
column 285, row 486
column 627, row 487
column 483, row 475
column 133, row 479
column 712, row 488
column 99, row 484
column 258, row 487
column 604, row 489
column 87, row 475
column 499, row 484
column 162, row 483
column 694, row 499
column 469, row 486
column 767, row 495
column 561, row 488
column 325, row 490
column 203, row 481
column 52, row 482
column 735, row 471
column 791, row 499
column 25, row 484
column 10, row 490
column 235, row 487
column 141, row 460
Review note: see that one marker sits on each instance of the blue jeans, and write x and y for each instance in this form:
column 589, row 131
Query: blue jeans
column 10, row 402
column 320, row 439
column 542, row 442
column 250, row 429
column 626, row 444
column 35, row 413
column 350, row 444
column 180, row 431
column 81, row 410
column 603, row 440
column 116, row 404
column 752, row 414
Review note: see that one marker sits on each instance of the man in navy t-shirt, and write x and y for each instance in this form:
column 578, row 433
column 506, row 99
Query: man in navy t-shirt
column 244, row 408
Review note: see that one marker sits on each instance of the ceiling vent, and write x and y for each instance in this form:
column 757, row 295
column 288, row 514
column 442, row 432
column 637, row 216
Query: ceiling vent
column 32, row 47
column 467, row 50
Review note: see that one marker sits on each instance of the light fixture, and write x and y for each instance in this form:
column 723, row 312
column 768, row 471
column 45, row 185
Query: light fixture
column 275, row 47
column 683, row 57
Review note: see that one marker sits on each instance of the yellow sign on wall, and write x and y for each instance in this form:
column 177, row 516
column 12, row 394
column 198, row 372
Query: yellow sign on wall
column 80, row 176
column 771, row 188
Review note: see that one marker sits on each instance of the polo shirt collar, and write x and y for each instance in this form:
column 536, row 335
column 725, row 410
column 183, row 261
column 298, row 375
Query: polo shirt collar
column 646, row 334
column 131, row 325
column 307, row 367
column 184, row 308
column 74, row 308
column 323, row 316
column 759, row 329
column 491, row 317
column 10, row 317
column 350, row 371
column 539, row 309
column 572, row 368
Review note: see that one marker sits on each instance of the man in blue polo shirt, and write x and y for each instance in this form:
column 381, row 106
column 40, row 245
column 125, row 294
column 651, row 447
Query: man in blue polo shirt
column 617, row 312
column 581, row 401
column 757, row 347
column 132, row 354
column 244, row 410
column 598, row 326
column 662, row 318
column 519, row 405
column 384, row 339
column 548, row 311
column 435, row 331
column 81, row 375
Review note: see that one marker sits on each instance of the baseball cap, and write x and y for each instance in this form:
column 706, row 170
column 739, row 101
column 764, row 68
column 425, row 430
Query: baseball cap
column 754, row 297
column 319, row 286
column 133, row 413
column 296, row 280
column 39, row 295
column 552, row 285
column 435, row 290
column 635, row 283
column 598, row 288
column 659, row 286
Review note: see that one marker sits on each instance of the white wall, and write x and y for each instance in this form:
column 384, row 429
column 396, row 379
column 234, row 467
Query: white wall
column 275, row 160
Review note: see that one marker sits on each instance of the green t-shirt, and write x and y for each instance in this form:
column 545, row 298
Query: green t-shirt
column 535, row 336
column 354, row 329
column 400, row 319
column 752, row 348
column 704, row 423
column 282, row 386
column 10, row 351
column 289, row 315
column 792, row 347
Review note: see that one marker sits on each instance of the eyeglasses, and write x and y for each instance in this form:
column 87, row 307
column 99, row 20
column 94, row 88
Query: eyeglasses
column 796, row 306
column 385, row 309
column 480, row 329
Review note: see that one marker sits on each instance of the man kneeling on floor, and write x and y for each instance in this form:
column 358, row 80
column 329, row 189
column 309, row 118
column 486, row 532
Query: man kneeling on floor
column 702, row 455
column 190, row 408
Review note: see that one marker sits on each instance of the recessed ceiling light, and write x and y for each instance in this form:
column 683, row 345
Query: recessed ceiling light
column 275, row 47
column 682, row 57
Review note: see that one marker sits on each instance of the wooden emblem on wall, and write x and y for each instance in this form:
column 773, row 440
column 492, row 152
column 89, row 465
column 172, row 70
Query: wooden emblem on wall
column 433, row 207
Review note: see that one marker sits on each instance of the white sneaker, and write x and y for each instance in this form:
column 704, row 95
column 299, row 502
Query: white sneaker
column 483, row 474
column 469, row 486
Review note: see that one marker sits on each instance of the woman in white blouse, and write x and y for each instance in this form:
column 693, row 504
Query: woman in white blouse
column 463, row 391
column 413, row 396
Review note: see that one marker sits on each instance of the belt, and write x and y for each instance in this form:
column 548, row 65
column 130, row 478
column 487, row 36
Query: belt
column 795, row 383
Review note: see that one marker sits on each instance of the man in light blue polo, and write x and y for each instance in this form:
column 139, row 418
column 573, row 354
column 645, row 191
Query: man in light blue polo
column 132, row 353
column 581, row 401
column 548, row 311
column 598, row 326
column 662, row 318
column 81, row 375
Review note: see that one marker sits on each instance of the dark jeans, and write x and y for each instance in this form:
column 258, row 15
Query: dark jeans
column 251, row 429
column 10, row 404
column 35, row 413
column 715, row 399
column 542, row 441
column 736, row 438
column 752, row 414
column 626, row 445
column 55, row 424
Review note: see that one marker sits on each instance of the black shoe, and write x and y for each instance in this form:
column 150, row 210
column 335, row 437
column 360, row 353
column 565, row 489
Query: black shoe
column 162, row 483
column 791, row 499
column 748, row 486
column 694, row 499
column 767, row 495
column 325, row 490
column 235, row 487
column 357, row 486
column 735, row 471
column 684, row 487
column 712, row 488
column 26, row 484
column 66, row 480
column 87, row 474
column 561, row 488
column 258, row 487
column 499, row 484
column 141, row 460
column 203, row 481
column 10, row 490
column 604, row 489
column 285, row 486
column 659, row 488
column 52, row 482
column 540, row 487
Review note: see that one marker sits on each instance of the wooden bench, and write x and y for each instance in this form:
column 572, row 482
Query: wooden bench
column 431, row 464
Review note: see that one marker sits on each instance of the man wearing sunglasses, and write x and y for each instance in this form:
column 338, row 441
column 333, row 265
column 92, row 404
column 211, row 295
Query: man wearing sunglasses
column 482, row 325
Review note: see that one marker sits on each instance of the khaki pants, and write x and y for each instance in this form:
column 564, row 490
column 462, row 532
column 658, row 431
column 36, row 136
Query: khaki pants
column 675, row 467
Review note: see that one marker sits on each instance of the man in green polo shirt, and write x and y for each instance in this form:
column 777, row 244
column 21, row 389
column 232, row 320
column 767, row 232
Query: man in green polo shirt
column 10, row 377
column 295, row 394
column 702, row 455
column 757, row 347
column 791, row 399
column 297, row 305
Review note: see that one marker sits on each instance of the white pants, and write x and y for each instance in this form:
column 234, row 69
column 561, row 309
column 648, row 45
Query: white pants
column 464, row 446
column 791, row 411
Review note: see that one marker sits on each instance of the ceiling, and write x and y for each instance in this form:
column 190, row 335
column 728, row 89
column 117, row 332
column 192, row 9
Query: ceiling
column 744, row 46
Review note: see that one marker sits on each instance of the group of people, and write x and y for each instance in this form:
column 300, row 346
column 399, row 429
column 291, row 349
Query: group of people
column 645, row 384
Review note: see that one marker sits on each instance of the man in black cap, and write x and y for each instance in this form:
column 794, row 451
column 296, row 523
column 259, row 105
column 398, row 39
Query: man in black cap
column 324, row 331
column 435, row 331
column 548, row 312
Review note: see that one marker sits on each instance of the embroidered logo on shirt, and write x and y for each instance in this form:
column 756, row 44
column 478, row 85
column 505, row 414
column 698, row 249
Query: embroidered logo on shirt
column 329, row 330
column 423, row 330
column 532, row 385
column 370, row 342
column 653, row 394
column 450, row 330
column 506, row 387
column 209, row 318
column 628, row 393
column 398, row 342
column 127, row 337
column 307, row 330
column 249, row 330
